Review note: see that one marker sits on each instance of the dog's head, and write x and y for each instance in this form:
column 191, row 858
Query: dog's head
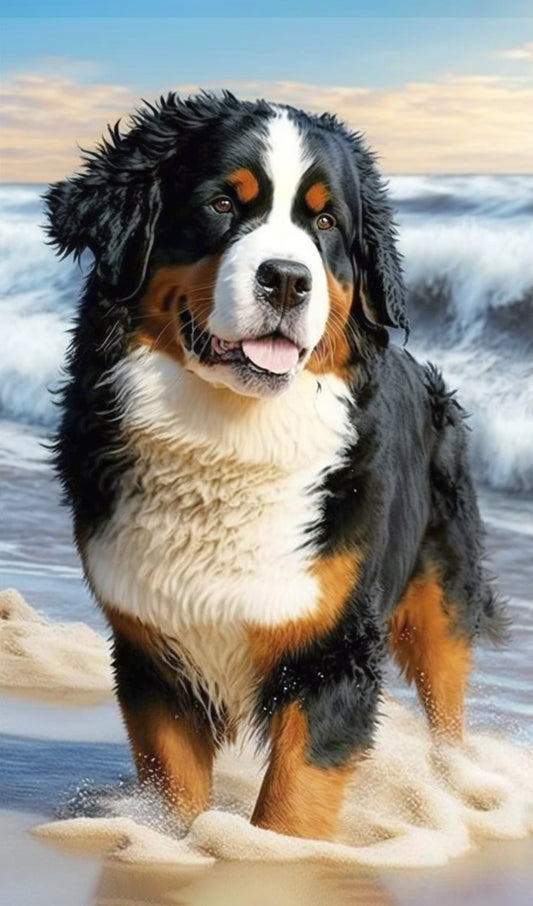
column 248, row 238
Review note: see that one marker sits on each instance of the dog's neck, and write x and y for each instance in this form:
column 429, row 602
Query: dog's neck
column 296, row 430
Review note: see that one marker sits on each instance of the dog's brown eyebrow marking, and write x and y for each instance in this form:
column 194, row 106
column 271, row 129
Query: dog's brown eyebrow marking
column 245, row 184
column 317, row 196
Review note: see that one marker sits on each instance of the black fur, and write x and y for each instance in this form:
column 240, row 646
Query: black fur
column 89, row 448
column 142, row 681
column 337, row 682
column 405, row 497
column 403, row 494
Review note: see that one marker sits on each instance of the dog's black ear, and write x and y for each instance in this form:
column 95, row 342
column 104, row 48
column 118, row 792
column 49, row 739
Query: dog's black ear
column 113, row 206
column 381, row 287
column 113, row 212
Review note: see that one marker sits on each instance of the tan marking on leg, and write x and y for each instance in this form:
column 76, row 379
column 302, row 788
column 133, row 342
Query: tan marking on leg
column 174, row 752
column 337, row 575
column 245, row 184
column 317, row 196
column 332, row 352
column 422, row 639
column 296, row 797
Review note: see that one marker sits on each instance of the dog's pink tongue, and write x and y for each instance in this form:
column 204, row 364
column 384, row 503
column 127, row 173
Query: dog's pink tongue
column 274, row 354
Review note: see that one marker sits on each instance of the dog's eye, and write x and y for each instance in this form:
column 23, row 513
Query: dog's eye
column 325, row 222
column 222, row 205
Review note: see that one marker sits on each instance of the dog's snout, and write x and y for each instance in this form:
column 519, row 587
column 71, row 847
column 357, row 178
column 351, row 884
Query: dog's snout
column 285, row 284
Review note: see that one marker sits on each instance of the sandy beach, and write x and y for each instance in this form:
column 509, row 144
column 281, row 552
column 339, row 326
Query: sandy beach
column 500, row 873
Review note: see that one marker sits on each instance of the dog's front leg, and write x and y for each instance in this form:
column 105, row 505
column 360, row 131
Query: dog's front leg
column 318, row 737
column 172, row 741
column 298, row 797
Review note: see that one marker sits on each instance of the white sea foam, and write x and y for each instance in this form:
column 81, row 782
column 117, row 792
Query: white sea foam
column 22, row 445
column 37, row 296
column 478, row 265
column 498, row 397
column 482, row 195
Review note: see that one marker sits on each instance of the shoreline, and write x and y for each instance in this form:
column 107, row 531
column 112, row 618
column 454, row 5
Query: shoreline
column 501, row 872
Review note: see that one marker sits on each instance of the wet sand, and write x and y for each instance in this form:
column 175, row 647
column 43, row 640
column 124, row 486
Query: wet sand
column 35, row 872
column 72, row 812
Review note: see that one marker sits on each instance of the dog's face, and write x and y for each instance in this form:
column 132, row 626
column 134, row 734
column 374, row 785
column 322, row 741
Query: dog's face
column 246, row 236
column 258, row 247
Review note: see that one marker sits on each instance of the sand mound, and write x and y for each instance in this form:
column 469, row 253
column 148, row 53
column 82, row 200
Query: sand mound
column 411, row 804
column 57, row 658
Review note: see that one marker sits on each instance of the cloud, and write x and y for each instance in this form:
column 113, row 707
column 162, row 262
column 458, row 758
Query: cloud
column 44, row 119
column 524, row 52
column 457, row 124
column 466, row 124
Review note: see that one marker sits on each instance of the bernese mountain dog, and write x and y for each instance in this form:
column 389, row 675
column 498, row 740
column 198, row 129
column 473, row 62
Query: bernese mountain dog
column 267, row 496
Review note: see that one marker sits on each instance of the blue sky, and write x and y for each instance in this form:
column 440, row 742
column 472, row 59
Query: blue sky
column 300, row 8
column 452, row 94
column 150, row 54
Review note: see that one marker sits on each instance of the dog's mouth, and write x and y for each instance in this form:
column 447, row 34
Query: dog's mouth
column 273, row 355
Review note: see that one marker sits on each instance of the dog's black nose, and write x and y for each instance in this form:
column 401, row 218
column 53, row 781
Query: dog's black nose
column 284, row 284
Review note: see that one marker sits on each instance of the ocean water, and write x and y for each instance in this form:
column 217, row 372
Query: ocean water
column 467, row 244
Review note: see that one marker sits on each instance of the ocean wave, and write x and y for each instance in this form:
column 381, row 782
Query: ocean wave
column 33, row 349
column 471, row 269
column 497, row 394
column 502, row 447
column 496, row 197
column 471, row 300
column 37, row 297
column 19, row 199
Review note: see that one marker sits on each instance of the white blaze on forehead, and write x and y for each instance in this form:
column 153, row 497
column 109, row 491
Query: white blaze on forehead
column 285, row 162
column 236, row 313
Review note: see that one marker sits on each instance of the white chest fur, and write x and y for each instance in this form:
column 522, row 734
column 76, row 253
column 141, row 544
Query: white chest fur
column 209, row 533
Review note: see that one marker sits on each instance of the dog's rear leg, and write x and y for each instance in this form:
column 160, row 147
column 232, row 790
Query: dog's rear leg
column 432, row 651
column 172, row 741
